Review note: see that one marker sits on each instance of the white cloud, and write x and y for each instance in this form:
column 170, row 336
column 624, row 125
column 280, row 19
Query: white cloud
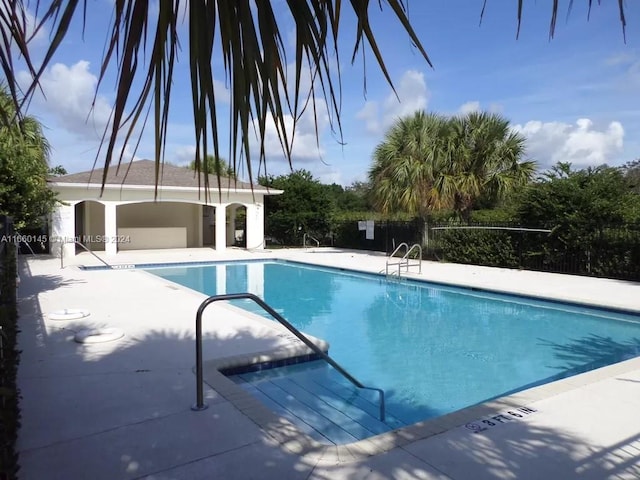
column 469, row 107
column 223, row 94
column 304, row 146
column 621, row 58
column 413, row 95
column 128, row 154
column 476, row 106
column 581, row 143
column 183, row 155
column 627, row 63
column 329, row 176
column 26, row 23
column 68, row 96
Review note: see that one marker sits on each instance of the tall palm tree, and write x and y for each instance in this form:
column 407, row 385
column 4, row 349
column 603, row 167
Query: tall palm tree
column 405, row 162
column 485, row 159
column 143, row 43
column 428, row 162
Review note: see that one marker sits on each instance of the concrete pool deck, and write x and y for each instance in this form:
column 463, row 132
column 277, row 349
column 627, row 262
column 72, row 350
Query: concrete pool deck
column 121, row 410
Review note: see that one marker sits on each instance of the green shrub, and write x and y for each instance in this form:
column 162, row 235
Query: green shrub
column 495, row 216
column 478, row 247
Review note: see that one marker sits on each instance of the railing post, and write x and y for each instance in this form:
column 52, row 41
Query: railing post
column 200, row 405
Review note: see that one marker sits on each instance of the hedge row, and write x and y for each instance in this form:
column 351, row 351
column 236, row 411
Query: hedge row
column 612, row 252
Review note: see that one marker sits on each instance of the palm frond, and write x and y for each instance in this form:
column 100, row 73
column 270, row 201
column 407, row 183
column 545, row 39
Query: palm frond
column 244, row 34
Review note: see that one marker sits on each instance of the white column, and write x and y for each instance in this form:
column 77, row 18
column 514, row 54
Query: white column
column 221, row 227
column 110, row 228
column 255, row 226
column 199, row 220
column 63, row 226
column 231, row 228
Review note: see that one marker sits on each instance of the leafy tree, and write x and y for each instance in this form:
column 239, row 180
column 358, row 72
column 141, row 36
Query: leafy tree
column 355, row 198
column 428, row 162
column 586, row 211
column 24, row 154
column 57, row 171
column 306, row 206
column 216, row 166
column 249, row 38
column 631, row 172
column 570, row 200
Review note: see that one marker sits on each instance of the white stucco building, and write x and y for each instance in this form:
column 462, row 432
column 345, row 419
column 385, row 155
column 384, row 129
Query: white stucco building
column 128, row 215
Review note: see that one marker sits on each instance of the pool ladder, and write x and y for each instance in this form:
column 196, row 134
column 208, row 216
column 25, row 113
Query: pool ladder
column 304, row 240
column 200, row 405
column 406, row 259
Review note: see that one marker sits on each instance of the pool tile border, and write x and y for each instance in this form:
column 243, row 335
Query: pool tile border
column 293, row 440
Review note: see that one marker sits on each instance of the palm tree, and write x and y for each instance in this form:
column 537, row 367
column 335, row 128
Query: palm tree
column 484, row 160
column 24, row 167
column 216, row 166
column 404, row 165
column 143, row 44
column 428, row 162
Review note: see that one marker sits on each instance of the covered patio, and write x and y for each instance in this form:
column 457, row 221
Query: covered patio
column 128, row 215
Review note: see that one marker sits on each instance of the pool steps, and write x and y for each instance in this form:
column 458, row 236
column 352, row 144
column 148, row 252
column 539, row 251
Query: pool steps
column 318, row 401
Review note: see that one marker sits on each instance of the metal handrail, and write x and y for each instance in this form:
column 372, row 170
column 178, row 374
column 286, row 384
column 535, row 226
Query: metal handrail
column 400, row 262
column 200, row 405
column 406, row 255
column 403, row 244
column 76, row 242
column 304, row 240
column 25, row 243
column 404, row 261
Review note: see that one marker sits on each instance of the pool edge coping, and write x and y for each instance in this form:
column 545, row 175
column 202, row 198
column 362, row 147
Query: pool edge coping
column 293, row 440
column 410, row 276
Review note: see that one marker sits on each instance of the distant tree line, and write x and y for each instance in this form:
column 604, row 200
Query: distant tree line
column 471, row 170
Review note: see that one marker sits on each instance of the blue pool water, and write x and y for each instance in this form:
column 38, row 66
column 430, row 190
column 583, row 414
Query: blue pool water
column 432, row 349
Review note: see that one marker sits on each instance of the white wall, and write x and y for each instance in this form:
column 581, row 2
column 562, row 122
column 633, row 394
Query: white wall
column 162, row 214
column 62, row 228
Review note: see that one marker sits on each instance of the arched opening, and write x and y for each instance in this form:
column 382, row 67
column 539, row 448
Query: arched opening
column 236, row 225
column 89, row 225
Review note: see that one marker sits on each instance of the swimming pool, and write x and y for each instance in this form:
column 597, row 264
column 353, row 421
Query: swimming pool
column 433, row 349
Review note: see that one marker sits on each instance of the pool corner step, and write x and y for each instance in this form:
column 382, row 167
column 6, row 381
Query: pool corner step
column 314, row 398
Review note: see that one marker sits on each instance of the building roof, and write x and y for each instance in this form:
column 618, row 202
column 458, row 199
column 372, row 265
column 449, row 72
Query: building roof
column 142, row 173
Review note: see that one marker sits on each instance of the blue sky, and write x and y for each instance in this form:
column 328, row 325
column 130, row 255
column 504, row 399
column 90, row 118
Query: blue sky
column 576, row 98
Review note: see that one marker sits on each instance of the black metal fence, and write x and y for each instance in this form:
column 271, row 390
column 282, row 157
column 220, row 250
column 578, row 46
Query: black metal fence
column 611, row 251
column 9, row 412
column 384, row 237
column 34, row 240
column 6, row 235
